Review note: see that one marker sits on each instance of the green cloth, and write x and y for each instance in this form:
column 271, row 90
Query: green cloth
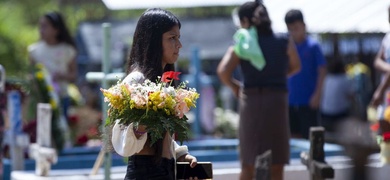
column 247, row 47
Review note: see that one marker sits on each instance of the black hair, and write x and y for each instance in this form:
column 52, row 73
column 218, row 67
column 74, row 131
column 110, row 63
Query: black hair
column 336, row 67
column 264, row 24
column 246, row 10
column 293, row 15
column 58, row 23
column 146, row 52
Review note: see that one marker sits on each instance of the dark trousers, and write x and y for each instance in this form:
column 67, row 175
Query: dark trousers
column 331, row 121
column 301, row 119
column 143, row 167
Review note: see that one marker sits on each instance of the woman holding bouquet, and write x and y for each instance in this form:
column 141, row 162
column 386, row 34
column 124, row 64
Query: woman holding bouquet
column 262, row 97
column 155, row 49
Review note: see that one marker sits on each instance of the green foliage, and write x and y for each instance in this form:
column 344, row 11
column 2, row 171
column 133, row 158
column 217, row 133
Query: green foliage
column 15, row 35
column 19, row 27
column 157, row 122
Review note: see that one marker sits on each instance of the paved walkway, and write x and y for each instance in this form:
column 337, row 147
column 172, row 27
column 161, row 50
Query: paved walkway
column 228, row 171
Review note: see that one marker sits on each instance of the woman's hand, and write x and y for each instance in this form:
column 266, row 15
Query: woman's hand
column 192, row 160
column 188, row 158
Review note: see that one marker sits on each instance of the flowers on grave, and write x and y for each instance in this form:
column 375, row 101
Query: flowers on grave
column 384, row 126
column 385, row 137
column 157, row 105
column 380, row 118
column 386, row 114
column 46, row 94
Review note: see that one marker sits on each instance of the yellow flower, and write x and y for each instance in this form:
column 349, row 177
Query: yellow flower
column 39, row 75
column 167, row 111
column 132, row 104
column 387, row 114
column 49, row 88
column 53, row 103
column 39, row 65
column 114, row 99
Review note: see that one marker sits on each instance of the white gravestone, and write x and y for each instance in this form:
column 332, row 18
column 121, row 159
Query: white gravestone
column 41, row 151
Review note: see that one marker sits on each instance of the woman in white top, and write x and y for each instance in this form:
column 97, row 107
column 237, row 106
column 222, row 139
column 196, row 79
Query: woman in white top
column 57, row 52
column 155, row 49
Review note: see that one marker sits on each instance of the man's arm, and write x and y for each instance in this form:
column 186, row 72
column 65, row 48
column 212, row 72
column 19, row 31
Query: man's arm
column 384, row 67
column 316, row 97
column 294, row 61
column 379, row 62
column 379, row 93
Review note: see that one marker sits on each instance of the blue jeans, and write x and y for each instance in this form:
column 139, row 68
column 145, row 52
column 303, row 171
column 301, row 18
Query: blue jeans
column 144, row 167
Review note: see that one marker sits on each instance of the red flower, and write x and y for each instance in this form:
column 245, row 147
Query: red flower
column 73, row 120
column 374, row 127
column 169, row 75
column 386, row 136
column 82, row 139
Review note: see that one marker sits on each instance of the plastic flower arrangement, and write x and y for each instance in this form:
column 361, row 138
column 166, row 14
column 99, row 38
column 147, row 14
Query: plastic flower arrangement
column 158, row 106
column 47, row 94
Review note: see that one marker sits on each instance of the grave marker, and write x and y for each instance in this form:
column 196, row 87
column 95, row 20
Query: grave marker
column 18, row 140
column 41, row 151
column 315, row 159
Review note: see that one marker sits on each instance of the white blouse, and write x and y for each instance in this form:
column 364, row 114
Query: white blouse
column 125, row 142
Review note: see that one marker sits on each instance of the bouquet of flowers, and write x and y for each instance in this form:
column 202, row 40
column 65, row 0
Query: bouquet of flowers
column 158, row 106
column 380, row 118
column 382, row 127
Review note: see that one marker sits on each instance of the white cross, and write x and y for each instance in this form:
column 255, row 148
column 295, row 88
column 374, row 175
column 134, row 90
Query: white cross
column 41, row 151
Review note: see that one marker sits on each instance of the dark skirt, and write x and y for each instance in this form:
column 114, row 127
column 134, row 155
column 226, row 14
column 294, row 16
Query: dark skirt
column 144, row 167
column 264, row 125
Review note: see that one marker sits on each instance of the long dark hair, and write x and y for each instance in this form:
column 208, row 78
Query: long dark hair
column 247, row 9
column 56, row 20
column 264, row 26
column 146, row 52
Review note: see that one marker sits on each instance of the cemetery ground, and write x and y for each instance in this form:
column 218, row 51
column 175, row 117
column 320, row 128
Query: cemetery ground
column 230, row 171
column 226, row 166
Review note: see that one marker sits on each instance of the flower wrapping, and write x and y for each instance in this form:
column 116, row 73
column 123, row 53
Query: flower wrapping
column 156, row 105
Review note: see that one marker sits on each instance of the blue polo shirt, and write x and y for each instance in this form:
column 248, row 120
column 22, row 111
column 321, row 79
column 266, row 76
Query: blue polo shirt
column 302, row 85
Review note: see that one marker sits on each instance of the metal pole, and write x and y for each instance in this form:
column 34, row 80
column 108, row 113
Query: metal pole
column 105, row 68
column 195, row 71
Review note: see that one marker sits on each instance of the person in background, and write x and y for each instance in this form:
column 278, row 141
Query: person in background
column 56, row 50
column 246, row 46
column 337, row 95
column 382, row 64
column 304, row 87
column 263, row 123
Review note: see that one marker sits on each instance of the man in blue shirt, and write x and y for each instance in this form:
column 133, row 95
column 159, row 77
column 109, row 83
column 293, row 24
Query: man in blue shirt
column 305, row 86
